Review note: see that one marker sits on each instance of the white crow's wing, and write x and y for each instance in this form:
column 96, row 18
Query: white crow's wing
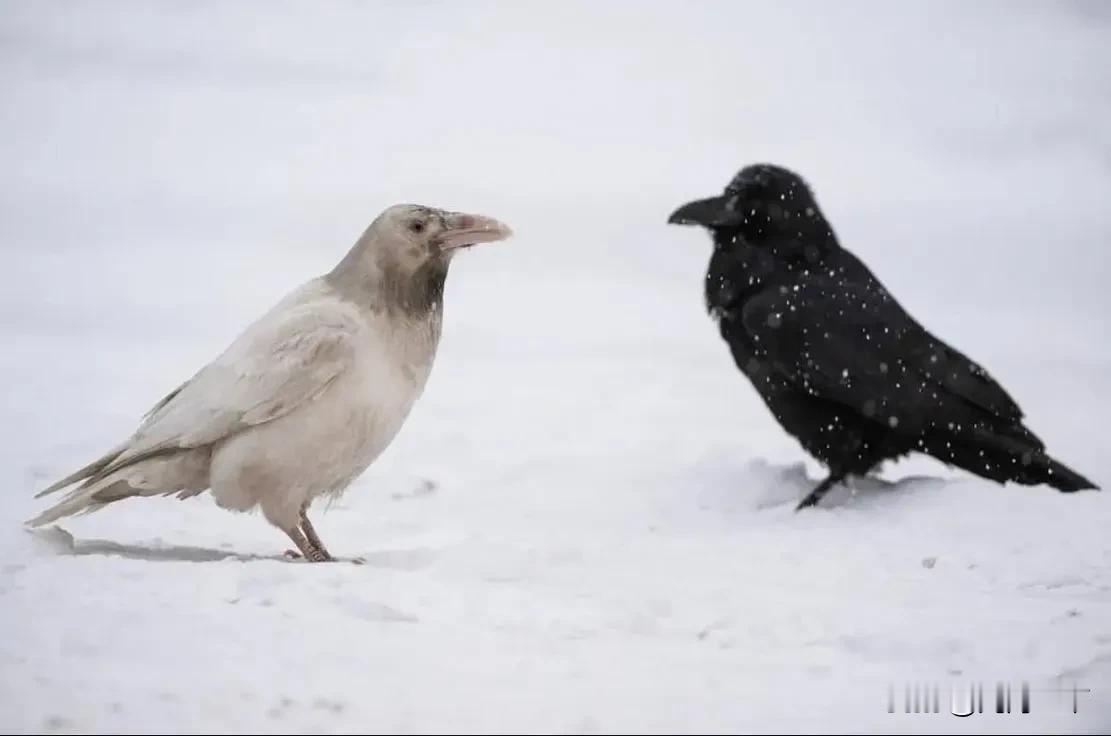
column 279, row 364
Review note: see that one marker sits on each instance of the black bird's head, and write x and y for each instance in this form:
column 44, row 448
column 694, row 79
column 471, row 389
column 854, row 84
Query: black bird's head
column 763, row 204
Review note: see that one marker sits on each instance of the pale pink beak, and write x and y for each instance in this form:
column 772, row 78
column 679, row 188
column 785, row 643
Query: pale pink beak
column 464, row 230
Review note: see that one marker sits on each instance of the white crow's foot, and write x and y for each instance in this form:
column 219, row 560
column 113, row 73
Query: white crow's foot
column 309, row 551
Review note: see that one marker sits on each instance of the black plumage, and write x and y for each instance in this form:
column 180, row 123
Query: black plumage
column 840, row 364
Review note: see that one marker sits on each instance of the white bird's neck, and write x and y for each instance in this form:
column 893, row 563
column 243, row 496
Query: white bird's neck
column 380, row 279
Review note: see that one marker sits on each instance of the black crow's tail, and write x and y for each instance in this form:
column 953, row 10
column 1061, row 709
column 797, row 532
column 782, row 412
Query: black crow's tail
column 1044, row 469
column 1010, row 454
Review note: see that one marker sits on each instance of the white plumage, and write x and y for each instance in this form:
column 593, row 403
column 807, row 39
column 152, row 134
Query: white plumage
column 305, row 399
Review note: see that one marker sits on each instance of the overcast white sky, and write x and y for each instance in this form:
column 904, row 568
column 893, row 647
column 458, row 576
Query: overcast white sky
column 962, row 149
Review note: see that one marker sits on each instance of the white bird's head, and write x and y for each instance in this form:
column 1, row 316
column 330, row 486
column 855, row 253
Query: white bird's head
column 413, row 233
column 401, row 260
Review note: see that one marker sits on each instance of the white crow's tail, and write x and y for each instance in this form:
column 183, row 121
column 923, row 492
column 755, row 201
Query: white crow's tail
column 184, row 472
column 89, row 471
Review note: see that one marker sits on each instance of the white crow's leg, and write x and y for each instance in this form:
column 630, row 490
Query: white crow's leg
column 311, row 552
column 308, row 541
column 311, row 536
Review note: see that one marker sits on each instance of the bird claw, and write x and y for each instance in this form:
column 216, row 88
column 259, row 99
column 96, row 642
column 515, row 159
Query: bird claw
column 295, row 555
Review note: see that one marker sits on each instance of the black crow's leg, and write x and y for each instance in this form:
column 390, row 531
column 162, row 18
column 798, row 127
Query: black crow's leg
column 822, row 489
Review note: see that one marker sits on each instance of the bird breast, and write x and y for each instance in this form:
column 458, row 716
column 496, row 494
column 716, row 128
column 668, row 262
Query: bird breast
column 328, row 442
column 392, row 366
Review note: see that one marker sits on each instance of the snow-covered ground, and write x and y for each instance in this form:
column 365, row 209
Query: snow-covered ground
column 587, row 524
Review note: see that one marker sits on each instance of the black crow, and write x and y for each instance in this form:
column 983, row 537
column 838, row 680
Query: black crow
column 840, row 364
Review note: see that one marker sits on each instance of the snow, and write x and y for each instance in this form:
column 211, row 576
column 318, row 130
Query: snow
column 587, row 524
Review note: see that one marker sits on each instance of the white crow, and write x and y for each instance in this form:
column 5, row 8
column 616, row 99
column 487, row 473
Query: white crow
column 306, row 398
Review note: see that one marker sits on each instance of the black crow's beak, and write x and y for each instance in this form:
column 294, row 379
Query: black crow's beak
column 710, row 212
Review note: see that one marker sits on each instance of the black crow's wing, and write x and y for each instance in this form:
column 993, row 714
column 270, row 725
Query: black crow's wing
column 853, row 344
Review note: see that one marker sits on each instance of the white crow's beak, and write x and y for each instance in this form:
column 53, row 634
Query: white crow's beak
column 463, row 230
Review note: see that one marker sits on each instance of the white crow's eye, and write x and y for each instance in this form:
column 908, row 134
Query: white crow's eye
column 416, row 226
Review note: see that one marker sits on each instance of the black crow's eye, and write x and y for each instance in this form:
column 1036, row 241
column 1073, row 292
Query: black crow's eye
column 416, row 226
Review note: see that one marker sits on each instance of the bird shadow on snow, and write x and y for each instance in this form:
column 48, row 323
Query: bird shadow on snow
column 721, row 484
column 60, row 542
